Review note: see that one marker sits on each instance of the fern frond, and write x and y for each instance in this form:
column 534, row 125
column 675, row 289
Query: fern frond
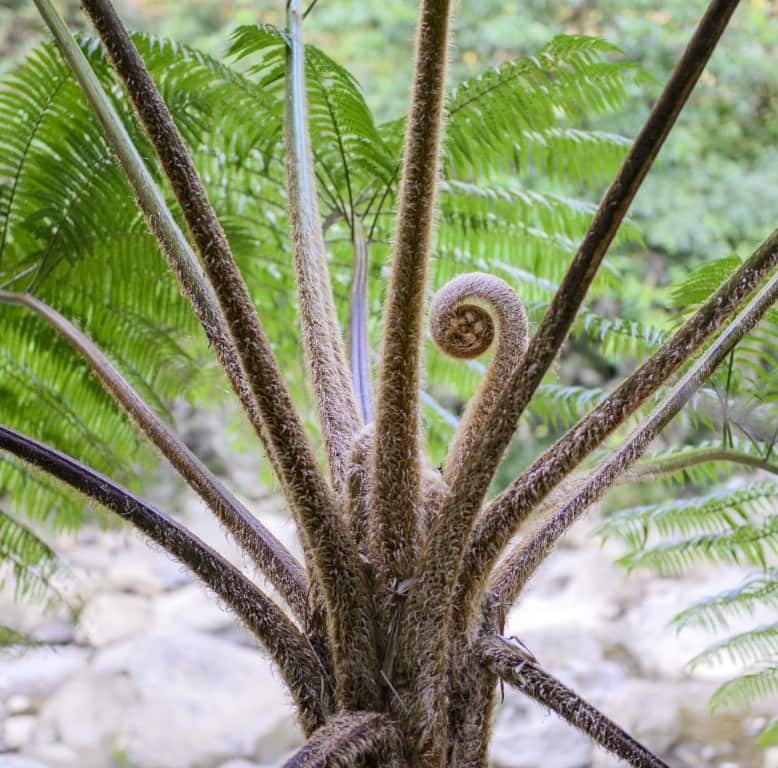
column 11, row 639
column 563, row 405
column 769, row 736
column 744, row 690
column 26, row 558
column 719, row 511
column 747, row 647
column 717, row 611
column 505, row 113
column 699, row 464
column 40, row 498
column 744, row 544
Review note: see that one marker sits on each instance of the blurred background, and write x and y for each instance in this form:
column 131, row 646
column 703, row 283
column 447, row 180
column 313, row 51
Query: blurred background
column 139, row 667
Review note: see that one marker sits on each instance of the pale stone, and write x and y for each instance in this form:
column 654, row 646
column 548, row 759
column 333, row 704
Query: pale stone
column 192, row 606
column 84, row 714
column 649, row 711
column 18, row 761
column 59, row 756
column 111, row 617
column 171, row 699
column 770, row 758
column 18, row 704
column 526, row 736
column 239, row 764
column 17, row 731
column 39, row 671
column 54, row 632
column 144, row 570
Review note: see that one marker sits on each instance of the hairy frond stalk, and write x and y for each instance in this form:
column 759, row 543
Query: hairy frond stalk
column 475, row 474
column 504, row 515
column 522, row 563
column 335, row 564
column 348, row 739
column 512, row 665
column 396, row 501
column 321, row 334
column 267, row 552
column 286, row 645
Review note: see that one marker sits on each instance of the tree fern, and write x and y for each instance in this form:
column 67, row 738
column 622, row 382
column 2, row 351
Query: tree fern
column 424, row 528
column 516, row 109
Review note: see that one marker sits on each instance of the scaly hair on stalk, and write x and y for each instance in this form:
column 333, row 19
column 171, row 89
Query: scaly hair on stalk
column 502, row 518
column 397, row 466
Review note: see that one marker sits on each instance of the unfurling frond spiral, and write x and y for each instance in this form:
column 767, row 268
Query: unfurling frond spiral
column 465, row 317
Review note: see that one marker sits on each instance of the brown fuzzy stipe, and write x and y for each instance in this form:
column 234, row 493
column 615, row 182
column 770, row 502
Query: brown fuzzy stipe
column 336, row 562
column 434, row 491
column 268, row 553
column 347, row 739
column 465, row 316
column 476, row 472
column 501, row 519
column 358, row 488
column 396, row 499
column 515, row 668
column 288, row 648
column 522, row 563
column 471, row 711
column 321, row 334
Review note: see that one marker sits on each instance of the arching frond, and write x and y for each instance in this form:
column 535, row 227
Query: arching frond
column 744, row 690
column 27, row 559
column 11, row 640
column 754, row 645
column 743, row 544
column 724, row 511
column 512, row 113
column 717, row 611
column 769, row 735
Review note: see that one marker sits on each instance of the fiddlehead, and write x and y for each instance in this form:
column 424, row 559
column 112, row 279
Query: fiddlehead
column 465, row 316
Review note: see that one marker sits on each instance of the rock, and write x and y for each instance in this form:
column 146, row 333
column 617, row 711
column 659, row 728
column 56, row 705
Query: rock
column 17, row 731
column 17, row 761
column 770, row 758
column 553, row 598
column 110, row 617
column 54, row 632
column 194, row 607
column 83, row 716
column 59, row 756
column 173, row 698
column 526, row 736
column 18, row 705
column 239, row 764
column 144, row 570
column 648, row 710
column 646, row 631
column 39, row 671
